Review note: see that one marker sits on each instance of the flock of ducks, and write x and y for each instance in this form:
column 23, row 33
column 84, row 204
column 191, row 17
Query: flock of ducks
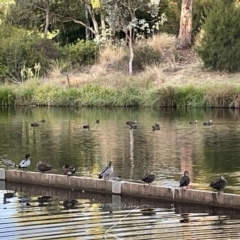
column 106, row 172
column 217, row 184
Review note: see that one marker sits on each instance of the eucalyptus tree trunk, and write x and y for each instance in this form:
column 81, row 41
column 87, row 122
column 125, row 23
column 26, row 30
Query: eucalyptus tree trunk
column 184, row 40
column 87, row 31
column 130, row 45
column 47, row 12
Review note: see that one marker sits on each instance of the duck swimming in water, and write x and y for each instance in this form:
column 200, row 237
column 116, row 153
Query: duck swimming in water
column 185, row 180
column 219, row 183
column 68, row 170
column 193, row 122
column 156, row 126
column 149, row 178
column 25, row 163
column 106, row 172
column 131, row 122
column 208, row 123
column 7, row 162
column 43, row 167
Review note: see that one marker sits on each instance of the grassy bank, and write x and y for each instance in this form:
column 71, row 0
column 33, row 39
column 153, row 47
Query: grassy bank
column 133, row 94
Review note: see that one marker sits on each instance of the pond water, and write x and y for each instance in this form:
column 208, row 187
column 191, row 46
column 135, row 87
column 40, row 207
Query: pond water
column 205, row 151
column 94, row 216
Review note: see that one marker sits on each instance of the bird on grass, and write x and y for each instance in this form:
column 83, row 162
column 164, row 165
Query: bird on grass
column 149, row 178
column 156, row 126
column 193, row 122
column 25, row 163
column 7, row 162
column 208, row 123
column 68, row 170
column 219, row 183
column 185, row 180
column 106, row 172
column 43, row 167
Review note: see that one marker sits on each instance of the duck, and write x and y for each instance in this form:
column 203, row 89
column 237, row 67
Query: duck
column 132, row 126
column 86, row 126
column 25, row 163
column 208, row 123
column 7, row 162
column 219, row 183
column 149, row 178
column 97, row 121
column 193, row 122
column 69, row 204
column 131, row 122
column 35, row 124
column 42, row 120
column 68, row 170
column 156, row 126
column 43, row 167
column 45, row 199
column 185, row 180
column 106, row 172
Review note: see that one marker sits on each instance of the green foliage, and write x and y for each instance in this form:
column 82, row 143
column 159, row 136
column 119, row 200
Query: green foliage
column 7, row 96
column 145, row 55
column 22, row 52
column 80, row 53
column 220, row 45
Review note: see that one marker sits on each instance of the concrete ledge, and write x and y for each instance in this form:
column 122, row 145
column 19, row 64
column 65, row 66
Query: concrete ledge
column 124, row 188
column 2, row 174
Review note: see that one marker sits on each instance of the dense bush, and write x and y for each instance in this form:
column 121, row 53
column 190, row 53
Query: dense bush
column 145, row 55
column 220, row 44
column 21, row 52
column 80, row 53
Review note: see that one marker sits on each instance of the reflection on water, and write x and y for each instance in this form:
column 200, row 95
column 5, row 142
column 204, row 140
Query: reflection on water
column 205, row 151
column 40, row 213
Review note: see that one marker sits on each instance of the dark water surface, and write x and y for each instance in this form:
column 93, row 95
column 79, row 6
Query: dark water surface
column 96, row 216
column 205, row 151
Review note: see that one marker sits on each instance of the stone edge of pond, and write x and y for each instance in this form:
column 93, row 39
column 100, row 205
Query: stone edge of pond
column 123, row 188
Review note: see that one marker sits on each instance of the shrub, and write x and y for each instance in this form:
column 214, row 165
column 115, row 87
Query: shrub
column 145, row 55
column 80, row 53
column 220, row 44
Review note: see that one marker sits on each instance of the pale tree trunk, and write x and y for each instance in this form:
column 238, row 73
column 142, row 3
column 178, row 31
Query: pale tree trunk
column 130, row 45
column 184, row 40
column 47, row 11
column 87, row 31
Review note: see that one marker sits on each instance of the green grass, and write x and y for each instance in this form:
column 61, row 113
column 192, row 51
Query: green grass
column 94, row 94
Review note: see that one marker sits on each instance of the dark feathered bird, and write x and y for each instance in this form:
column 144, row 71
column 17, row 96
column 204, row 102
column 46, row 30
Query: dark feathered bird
column 185, row 179
column 42, row 120
column 35, row 124
column 131, row 122
column 193, row 122
column 106, row 172
column 219, row 183
column 156, row 126
column 45, row 199
column 149, row 178
column 97, row 121
column 43, row 167
column 68, row 169
column 208, row 123
column 86, row 126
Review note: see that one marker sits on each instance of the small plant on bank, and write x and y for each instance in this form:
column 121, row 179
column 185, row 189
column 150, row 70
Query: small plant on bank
column 220, row 44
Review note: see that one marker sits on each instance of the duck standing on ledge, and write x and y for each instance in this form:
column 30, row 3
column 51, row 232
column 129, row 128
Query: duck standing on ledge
column 185, row 180
column 25, row 163
column 68, row 170
column 131, row 122
column 219, row 183
column 156, row 126
column 149, row 178
column 208, row 123
column 7, row 162
column 43, row 167
column 106, row 172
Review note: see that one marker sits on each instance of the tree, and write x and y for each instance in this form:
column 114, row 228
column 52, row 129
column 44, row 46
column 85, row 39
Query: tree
column 184, row 40
column 121, row 16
